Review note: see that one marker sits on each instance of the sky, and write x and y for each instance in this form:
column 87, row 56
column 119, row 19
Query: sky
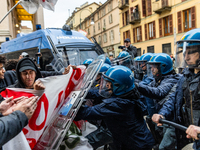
column 58, row 18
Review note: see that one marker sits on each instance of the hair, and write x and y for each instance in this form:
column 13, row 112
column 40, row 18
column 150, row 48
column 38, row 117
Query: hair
column 2, row 59
column 11, row 64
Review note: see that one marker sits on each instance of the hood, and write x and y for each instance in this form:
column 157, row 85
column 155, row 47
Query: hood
column 38, row 74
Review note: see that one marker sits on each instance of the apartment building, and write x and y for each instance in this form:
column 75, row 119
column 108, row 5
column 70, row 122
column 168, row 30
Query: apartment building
column 155, row 25
column 104, row 27
column 80, row 14
column 11, row 25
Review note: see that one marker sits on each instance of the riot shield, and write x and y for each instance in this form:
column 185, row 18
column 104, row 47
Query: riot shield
column 56, row 130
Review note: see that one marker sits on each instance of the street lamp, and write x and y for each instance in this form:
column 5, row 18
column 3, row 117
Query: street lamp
column 92, row 21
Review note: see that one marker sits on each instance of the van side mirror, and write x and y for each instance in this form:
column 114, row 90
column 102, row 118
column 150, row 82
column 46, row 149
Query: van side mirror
column 49, row 68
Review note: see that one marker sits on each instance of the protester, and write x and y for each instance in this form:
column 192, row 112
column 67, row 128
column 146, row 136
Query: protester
column 184, row 105
column 18, row 111
column 6, row 77
column 23, row 54
column 121, row 110
column 132, row 50
column 11, row 65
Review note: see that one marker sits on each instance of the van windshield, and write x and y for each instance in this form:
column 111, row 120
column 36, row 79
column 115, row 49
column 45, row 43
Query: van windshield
column 76, row 56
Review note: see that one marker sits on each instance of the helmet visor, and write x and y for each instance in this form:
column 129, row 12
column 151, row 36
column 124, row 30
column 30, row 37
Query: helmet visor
column 106, row 88
column 187, row 54
column 153, row 69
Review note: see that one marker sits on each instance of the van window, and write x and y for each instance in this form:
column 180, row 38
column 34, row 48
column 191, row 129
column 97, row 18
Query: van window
column 47, row 58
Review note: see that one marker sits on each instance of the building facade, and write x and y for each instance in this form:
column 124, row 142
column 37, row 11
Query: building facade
column 105, row 28
column 11, row 25
column 155, row 25
column 80, row 14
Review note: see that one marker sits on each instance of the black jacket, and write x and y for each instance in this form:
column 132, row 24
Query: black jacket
column 11, row 125
column 9, row 79
column 132, row 50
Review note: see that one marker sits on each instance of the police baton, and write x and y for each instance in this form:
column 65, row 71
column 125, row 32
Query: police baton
column 175, row 125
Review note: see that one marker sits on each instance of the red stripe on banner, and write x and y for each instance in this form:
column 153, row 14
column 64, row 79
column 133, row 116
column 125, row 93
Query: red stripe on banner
column 15, row 94
column 59, row 99
column 32, row 121
column 43, row 0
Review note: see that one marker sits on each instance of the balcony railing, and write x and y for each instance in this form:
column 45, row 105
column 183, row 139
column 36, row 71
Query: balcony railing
column 135, row 18
column 123, row 4
column 162, row 5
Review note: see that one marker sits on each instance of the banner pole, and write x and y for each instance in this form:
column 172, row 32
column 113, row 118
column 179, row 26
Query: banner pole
column 10, row 10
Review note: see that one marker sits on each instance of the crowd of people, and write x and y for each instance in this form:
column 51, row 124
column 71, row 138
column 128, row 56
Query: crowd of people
column 127, row 100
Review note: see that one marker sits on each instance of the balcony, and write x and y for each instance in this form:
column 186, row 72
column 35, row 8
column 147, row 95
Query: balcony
column 123, row 4
column 162, row 5
column 135, row 18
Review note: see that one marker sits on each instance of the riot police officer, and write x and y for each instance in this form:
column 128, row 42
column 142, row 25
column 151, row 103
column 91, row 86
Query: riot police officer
column 160, row 67
column 121, row 110
column 125, row 59
column 184, row 104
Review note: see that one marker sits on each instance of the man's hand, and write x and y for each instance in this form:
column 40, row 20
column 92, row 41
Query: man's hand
column 27, row 106
column 156, row 117
column 38, row 85
column 192, row 132
column 9, row 109
column 6, row 104
column 68, row 69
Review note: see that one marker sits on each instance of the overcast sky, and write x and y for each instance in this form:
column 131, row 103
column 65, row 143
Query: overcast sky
column 57, row 18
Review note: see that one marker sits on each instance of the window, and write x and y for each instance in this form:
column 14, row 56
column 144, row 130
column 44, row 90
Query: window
column 138, row 51
column 104, row 23
column 166, row 48
column 88, row 31
column 150, row 32
column 112, row 35
column 105, row 37
column 98, row 25
column 99, row 40
column 98, row 16
column 150, row 49
column 110, row 19
column 168, row 26
column 137, row 34
column 150, row 26
column 189, row 19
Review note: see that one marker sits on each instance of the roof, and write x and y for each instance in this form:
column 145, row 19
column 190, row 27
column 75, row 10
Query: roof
column 40, row 39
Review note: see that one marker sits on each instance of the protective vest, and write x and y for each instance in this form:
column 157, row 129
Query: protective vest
column 191, row 97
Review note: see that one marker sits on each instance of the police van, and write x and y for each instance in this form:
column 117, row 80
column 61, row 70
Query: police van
column 59, row 48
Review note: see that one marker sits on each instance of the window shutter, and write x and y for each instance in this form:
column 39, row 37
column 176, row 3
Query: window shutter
column 193, row 14
column 179, row 22
column 144, row 8
column 134, row 35
column 171, row 24
column 124, row 36
column 140, row 33
column 160, row 27
column 129, row 35
column 123, row 18
column 149, row 7
column 127, row 17
column 154, row 30
column 145, row 26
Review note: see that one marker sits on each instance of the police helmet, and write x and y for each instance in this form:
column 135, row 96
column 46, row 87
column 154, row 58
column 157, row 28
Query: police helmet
column 188, row 50
column 162, row 61
column 118, row 80
column 88, row 61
